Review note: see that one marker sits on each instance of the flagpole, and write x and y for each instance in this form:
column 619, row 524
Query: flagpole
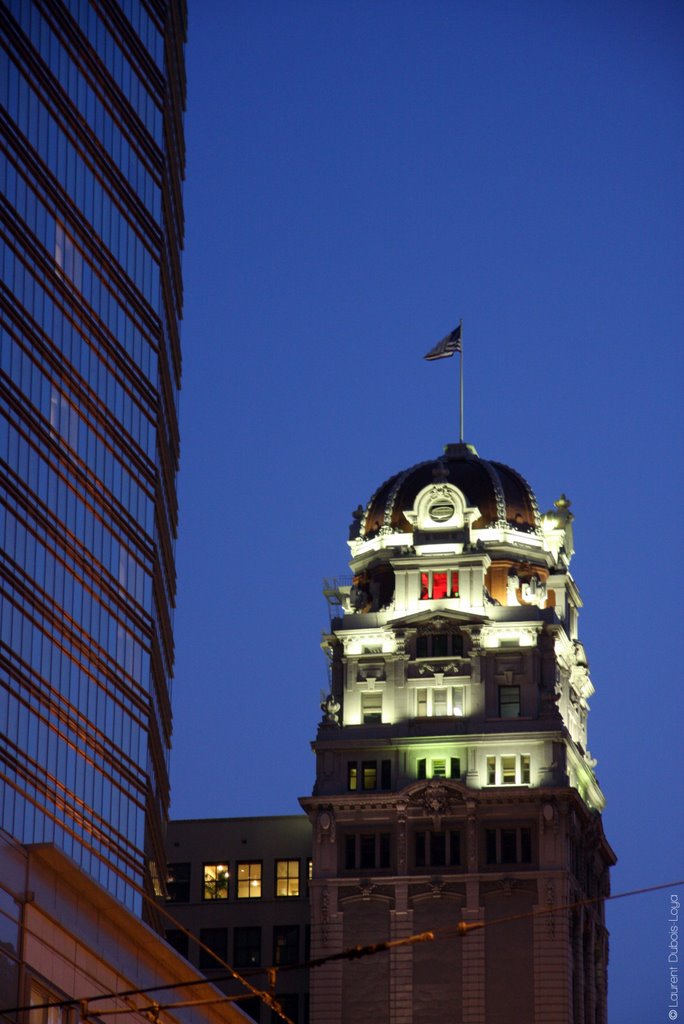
column 460, row 404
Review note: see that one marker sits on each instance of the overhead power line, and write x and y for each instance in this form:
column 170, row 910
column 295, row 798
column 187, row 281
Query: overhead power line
column 461, row 929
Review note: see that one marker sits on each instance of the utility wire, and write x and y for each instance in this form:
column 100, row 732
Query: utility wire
column 353, row 953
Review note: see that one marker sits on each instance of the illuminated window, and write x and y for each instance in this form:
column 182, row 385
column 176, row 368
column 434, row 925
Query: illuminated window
column 249, row 880
column 285, row 944
column 436, row 767
column 436, row 586
column 508, row 770
column 352, row 776
column 247, row 947
column 508, row 845
column 509, row 701
column 371, row 707
column 215, row 885
column 369, row 774
column 178, row 882
column 439, row 702
column 287, row 878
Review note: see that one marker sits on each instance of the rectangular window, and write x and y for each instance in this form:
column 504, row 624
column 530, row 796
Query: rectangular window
column 509, row 702
column 216, row 939
column 421, row 768
column 457, row 701
column 178, row 940
column 439, row 585
column 491, row 771
column 367, row 851
column 350, row 852
column 215, row 884
column 525, row 769
column 422, row 646
column 384, row 850
column 457, row 645
column 249, row 880
column 421, row 703
column 371, row 707
column 439, row 701
column 287, row 878
column 508, row 770
column 439, row 768
column 352, row 776
column 437, row 849
column 455, row 768
column 508, row 845
column 420, row 849
column 490, row 846
column 385, row 774
column 369, row 770
column 440, row 645
column 454, row 848
column 178, row 882
column 285, row 944
column 247, row 947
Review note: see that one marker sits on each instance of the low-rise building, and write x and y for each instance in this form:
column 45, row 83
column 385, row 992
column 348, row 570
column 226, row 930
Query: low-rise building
column 238, row 890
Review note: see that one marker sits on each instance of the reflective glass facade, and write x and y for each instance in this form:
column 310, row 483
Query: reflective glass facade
column 91, row 102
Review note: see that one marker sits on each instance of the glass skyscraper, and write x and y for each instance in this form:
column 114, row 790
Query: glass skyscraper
column 91, row 169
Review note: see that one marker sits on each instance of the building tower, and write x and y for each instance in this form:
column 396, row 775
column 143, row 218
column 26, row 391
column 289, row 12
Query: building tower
column 453, row 778
column 92, row 95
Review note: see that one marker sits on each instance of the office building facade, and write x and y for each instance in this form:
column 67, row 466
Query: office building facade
column 91, row 168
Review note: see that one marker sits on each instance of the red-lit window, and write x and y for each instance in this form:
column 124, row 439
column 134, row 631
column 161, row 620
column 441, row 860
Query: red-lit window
column 438, row 585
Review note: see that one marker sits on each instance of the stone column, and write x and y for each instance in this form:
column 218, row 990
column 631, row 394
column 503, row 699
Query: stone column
column 401, row 959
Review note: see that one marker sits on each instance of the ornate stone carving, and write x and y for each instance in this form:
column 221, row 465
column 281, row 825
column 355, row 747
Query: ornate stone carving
column 331, row 710
column 325, row 825
column 325, row 914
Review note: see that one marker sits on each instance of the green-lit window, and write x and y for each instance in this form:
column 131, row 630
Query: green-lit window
column 249, row 880
column 352, row 776
column 215, row 882
column 287, row 878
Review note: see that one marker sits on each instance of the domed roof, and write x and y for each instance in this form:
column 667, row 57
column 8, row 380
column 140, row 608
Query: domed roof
column 503, row 496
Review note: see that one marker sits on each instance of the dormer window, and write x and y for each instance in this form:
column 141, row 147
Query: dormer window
column 435, row 586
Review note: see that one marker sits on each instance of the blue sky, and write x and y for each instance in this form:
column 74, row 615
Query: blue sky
column 359, row 177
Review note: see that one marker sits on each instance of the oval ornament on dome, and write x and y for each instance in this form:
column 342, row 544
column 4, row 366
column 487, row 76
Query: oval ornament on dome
column 440, row 511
